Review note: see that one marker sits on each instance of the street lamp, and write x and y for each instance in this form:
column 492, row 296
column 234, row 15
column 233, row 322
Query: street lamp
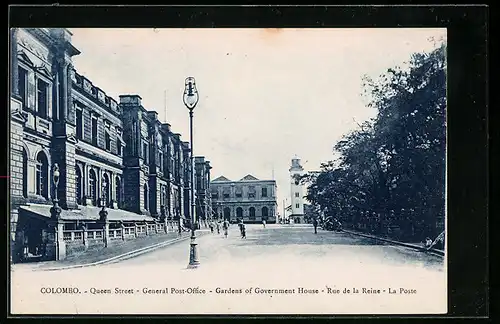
column 190, row 98
column 55, row 211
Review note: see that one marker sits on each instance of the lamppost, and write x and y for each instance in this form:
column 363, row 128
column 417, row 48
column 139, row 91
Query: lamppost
column 55, row 211
column 190, row 99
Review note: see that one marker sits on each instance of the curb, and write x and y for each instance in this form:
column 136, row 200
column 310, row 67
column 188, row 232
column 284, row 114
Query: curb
column 408, row 245
column 124, row 256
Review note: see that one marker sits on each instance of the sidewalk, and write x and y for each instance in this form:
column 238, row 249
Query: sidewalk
column 408, row 245
column 120, row 251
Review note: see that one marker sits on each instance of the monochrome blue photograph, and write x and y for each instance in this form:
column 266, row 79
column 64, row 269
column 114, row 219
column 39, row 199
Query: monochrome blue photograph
column 228, row 171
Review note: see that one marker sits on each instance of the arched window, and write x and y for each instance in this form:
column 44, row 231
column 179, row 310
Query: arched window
column 252, row 213
column 265, row 212
column 25, row 173
column 118, row 189
column 239, row 212
column 105, row 189
column 92, row 187
column 227, row 213
column 42, row 172
column 145, row 197
column 78, row 185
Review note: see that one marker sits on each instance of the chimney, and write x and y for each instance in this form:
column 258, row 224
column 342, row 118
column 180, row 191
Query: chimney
column 166, row 126
column 130, row 100
column 153, row 115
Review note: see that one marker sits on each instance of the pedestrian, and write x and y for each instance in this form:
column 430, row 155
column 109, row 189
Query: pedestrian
column 225, row 226
column 264, row 223
column 240, row 225
column 211, row 224
column 315, row 224
column 243, row 231
column 218, row 227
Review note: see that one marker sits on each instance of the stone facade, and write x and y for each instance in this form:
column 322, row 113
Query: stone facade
column 203, row 197
column 250, row 199
column 110, row 153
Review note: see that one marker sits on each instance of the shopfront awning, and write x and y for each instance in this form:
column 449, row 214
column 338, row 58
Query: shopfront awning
column 84, row 213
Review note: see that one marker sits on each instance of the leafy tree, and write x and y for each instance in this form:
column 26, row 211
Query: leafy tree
column 391, row 170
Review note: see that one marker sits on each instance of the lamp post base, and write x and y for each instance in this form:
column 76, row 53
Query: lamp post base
column 193, row 254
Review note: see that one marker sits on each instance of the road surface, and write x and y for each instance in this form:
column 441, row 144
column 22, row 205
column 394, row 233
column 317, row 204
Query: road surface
column 280, row 269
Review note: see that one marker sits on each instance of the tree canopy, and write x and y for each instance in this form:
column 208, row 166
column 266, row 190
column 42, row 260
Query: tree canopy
column 391, row 169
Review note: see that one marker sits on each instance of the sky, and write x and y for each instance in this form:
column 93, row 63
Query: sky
column 266, row 95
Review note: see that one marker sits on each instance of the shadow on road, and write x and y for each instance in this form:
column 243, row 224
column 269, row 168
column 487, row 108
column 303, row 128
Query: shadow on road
column 301, row 235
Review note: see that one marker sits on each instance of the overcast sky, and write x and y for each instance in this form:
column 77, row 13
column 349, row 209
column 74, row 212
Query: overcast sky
column 265, row 94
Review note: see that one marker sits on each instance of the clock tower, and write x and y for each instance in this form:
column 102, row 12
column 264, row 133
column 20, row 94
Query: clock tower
column 297, row 192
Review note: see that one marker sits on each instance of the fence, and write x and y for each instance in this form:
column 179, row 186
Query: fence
column 99, row 234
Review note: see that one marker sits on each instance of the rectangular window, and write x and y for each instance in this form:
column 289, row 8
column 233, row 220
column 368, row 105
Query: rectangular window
column 238, row 195
column 107, row 139
column 119, row 147
column 251, row 195
column 42, row 98
column 161, row 161
column 297, row 205
column 297, row 195
column 118, row 141
column 215, row 195
column 79, row 123
column 145, row 152
column 226, row 196
column 94, row 131
column 264, row 192
column 22, row 85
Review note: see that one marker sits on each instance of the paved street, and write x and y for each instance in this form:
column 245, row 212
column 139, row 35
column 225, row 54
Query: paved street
column 277, row 257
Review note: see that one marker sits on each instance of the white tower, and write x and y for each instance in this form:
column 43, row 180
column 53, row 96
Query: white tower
column 297, row 192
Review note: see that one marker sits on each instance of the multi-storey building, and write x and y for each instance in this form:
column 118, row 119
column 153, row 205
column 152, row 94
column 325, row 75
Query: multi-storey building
column 249, row 199
column 110, row 153
column 202, row 180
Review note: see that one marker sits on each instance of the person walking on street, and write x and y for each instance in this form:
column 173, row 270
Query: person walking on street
column 240, row 225
column 211, row 224
column 225, row 226
column 315, row 224
column 243, row 231
column 218, row 227
column 264, row 223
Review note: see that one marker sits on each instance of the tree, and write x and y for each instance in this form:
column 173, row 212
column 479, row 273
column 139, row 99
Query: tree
column 392, row 167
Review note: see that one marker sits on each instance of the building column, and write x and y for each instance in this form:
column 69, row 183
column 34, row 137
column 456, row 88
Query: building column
column 14, row 74
column 86, row 186
column 56, row 247
column 114, row 193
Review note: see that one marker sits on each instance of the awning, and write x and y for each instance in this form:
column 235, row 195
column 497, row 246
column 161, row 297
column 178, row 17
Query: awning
column 85, row 213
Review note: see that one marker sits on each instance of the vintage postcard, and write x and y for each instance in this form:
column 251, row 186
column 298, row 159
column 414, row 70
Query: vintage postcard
column 228, row 171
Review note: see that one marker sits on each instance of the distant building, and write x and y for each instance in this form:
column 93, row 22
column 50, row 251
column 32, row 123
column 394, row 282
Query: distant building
column 249, row 199
column 296, row 192
column 202, row 179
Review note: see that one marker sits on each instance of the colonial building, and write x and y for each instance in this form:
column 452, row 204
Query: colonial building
column 250, row 199
column 202, row 179
column 109, row 153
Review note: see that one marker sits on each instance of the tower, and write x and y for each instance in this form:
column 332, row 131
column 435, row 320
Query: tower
column 296, row 192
